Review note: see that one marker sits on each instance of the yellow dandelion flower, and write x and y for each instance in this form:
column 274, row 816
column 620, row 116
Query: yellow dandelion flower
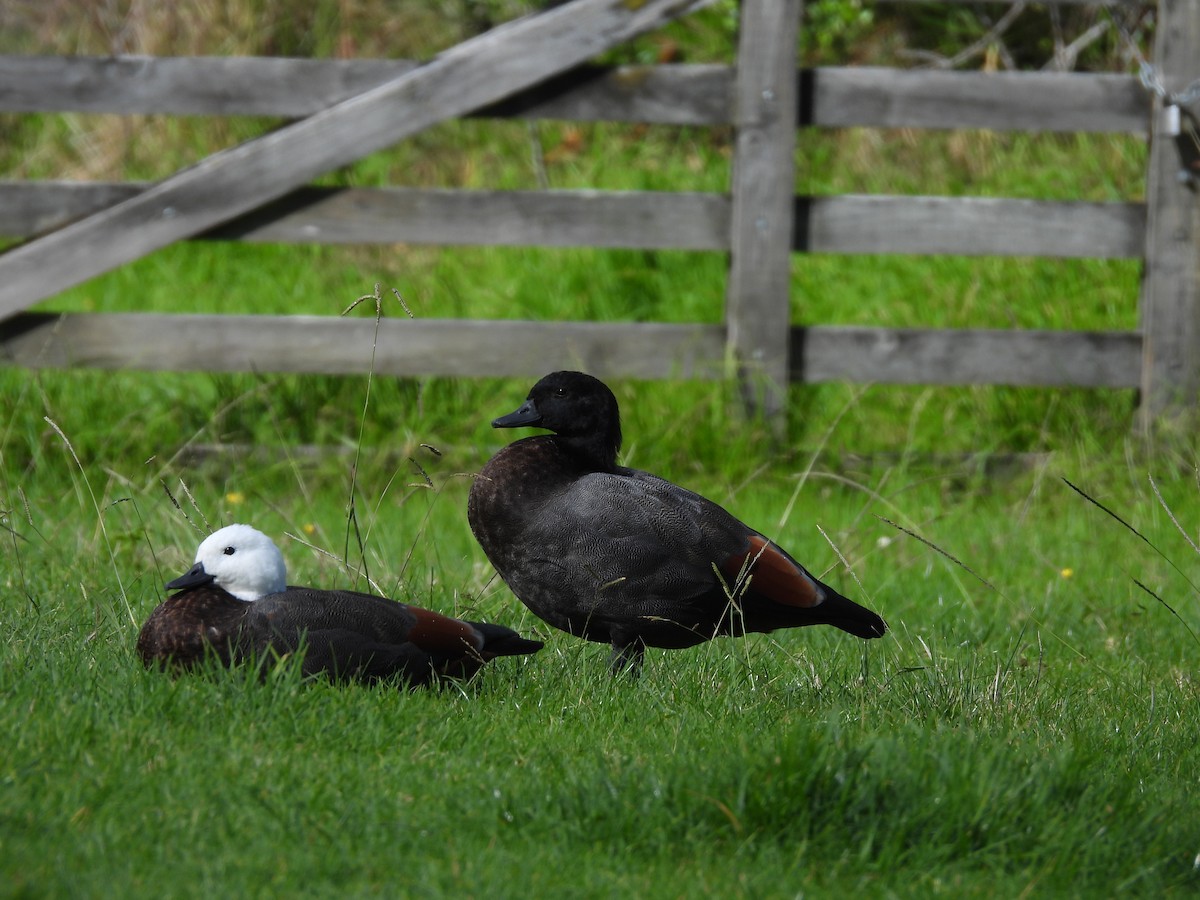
column 1067, row 572
column 235, row 497
column 309, row 528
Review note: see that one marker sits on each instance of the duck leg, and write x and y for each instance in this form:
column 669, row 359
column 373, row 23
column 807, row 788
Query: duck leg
column 627, row 655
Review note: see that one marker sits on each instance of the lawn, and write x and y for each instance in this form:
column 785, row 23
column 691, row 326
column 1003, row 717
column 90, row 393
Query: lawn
column 1028, row 725
column 1027, row 728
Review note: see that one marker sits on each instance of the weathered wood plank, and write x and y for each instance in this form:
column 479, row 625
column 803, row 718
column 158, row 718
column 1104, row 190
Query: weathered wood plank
column 469, row 348
column 188, row 85
column 999, row 101
column 294, row 88
column 1170, row 301
column 966, row 226
column 672, row 94
column 698, row 94
column 342, row 346
column 477, row 72
column 628, row 219
column 966, row 356
column 28, row 208
column 757, row 290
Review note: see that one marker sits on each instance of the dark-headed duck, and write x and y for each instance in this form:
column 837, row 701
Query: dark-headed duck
column 619, row 556
column 235, row 602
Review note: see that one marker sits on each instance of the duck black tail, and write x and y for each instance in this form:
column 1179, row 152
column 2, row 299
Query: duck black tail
column 842, row 612
column 501, row 641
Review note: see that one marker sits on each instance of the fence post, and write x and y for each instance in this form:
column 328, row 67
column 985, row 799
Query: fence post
column 757, row 291
column 1170, row 301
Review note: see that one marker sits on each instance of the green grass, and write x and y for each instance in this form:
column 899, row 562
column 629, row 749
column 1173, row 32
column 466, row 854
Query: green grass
column 1034, row 733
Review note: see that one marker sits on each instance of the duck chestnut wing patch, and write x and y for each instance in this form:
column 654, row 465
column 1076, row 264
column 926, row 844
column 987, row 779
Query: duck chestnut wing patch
column 438, row 634
column 773, row 574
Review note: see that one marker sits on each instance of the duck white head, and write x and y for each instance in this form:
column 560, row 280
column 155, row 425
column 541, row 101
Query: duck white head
column 240, row 559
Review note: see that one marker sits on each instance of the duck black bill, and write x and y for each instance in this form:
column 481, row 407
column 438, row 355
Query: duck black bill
column 195, row 576
column 526, row 415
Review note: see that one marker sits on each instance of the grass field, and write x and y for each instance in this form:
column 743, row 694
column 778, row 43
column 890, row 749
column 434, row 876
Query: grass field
column 1028, row 728
column 1033, row 735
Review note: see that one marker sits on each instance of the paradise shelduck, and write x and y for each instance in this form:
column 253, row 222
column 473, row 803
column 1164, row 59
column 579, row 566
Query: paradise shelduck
column 235, row 603
column 619, row 556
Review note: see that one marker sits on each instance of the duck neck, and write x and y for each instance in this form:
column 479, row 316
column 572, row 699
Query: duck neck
column 597, row 451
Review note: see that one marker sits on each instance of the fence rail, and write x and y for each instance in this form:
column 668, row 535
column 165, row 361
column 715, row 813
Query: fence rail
column 468, row 347
column 673, row 94
column 765, row 98
column 645, row 220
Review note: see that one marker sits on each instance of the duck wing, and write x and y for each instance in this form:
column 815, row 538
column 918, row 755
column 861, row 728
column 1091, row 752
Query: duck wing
column 632, row 546
column 350, row 634
column 773, row 590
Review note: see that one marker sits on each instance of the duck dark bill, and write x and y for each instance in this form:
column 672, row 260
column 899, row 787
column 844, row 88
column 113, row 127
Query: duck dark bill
column 621, row 556
column 527, row 415
column 193, row 577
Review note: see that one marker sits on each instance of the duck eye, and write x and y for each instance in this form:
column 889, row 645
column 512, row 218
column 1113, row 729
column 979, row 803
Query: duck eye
column 229, row 551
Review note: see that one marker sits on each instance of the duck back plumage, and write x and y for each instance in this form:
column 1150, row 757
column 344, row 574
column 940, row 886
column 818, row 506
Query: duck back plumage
column 354, row 634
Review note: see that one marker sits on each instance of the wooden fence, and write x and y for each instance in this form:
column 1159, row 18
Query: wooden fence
column 537, row 68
